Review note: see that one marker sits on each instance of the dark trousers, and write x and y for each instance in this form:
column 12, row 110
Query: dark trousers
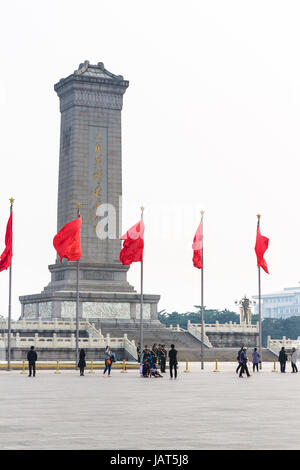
column 282, row 367
column 107, row 367
column 238, row 367
column 294, row 367
column 255, row 366
column 163, row 364
column 81, row 370
column 173, row 365
column 244, row 368
column 31, row 368
column 146, row 370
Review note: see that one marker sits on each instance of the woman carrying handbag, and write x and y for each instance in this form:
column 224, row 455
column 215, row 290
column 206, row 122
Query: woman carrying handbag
column 109, row 358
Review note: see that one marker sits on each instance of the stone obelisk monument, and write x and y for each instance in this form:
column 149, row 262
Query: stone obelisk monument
column 90, row 172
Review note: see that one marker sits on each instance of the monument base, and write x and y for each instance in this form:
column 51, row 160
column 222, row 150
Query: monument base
column 104, row 294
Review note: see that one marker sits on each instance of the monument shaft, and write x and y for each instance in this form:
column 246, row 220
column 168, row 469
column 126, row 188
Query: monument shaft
column 90, row 168
column 90, row 172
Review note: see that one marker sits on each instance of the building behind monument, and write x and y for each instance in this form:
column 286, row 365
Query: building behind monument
column 282, row 304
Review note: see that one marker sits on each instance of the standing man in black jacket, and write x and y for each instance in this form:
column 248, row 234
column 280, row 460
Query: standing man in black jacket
column 282, row 359
column 173, row 361
column 32, row 358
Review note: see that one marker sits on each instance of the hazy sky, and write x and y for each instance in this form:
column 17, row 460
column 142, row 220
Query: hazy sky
column 210, row 120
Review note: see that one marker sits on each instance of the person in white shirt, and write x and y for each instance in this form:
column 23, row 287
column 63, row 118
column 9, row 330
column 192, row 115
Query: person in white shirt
column 294, row 360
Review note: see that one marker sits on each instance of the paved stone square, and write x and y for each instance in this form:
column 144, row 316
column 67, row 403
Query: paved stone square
column 200, row 410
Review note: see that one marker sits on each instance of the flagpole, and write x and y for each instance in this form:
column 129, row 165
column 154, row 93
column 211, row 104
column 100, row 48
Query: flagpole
column 202, row 301
column 142, row 299
column 77, row 300
column 259, row 307
column 9, row 304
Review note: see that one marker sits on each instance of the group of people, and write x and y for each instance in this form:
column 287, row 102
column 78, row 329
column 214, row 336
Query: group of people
column 109, row 358
column 152, row 359
column 256, row 360
column 283, row 358
column 243, row 360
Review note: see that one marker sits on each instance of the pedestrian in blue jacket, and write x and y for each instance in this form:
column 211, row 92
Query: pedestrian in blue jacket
column 255, row 359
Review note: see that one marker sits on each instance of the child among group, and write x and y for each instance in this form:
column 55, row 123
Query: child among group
column 154, row 371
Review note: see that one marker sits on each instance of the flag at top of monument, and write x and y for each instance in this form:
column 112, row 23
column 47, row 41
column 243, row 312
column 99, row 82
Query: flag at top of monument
column 133, row 245
column 67, row 241
column 261, row 246
column 197, row 246
column 5, row 258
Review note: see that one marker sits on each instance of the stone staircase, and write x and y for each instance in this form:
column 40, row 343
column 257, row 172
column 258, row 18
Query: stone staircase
column 155, row 332
column 188, row 347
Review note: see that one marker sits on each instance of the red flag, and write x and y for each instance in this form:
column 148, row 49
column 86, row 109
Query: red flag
column 6, row 256
column 197, row 247
column 133, row 245
column 67, row 241
column 261, row 246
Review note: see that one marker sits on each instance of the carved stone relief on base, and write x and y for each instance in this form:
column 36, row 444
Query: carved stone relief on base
column 105, row 310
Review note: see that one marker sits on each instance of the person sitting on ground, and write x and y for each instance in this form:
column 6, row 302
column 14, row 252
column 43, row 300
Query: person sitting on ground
column 154, row 371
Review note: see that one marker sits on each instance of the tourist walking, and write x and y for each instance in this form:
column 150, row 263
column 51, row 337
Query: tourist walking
column 282, row 358
column 255, row 359
column 238, row 359
column 173, row 361
column 31, row 358
column 163, row 356
column 294, row 360
column 109, row 359
column 81, row 362
column 244, row 361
